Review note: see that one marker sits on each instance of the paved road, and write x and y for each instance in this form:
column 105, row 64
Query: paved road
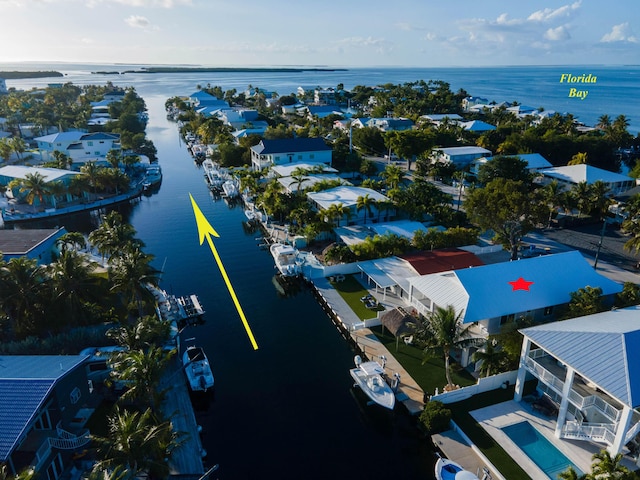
column 586, row 239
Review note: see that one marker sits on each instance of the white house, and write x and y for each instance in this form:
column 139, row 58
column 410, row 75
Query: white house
column 289, row 150
column 571, row 175
column 20, row 172
column 79, row 146
column 535, row 162
column 348, row 196
column 589, row 366
column 459, row 156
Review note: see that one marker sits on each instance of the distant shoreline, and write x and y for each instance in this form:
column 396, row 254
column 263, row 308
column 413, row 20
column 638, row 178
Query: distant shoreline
column 232, row 69
column 14, row 75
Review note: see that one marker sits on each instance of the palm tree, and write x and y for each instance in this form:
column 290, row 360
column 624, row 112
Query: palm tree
column 92, row 171
column 298, row 179
column 571, row 474
column 73, row 286
column 146, row 332
column 392, row 176
column 337, row 211
column 492, row 358
column 36, row 186
column 608, row 466
column 141, row 371
column 112, row 235
column 21, row 299
column 130, row 272
column 18, row 145
column 365, row 203
column 441, row 333
column 600, row 198
column 137, row 443
column 581, row 191
column 71, row 241
column 554, row 196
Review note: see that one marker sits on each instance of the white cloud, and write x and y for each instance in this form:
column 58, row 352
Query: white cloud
column 549, row 14
column 620, row 33
column 557, row 34
column 146, row 3
column 137, row 21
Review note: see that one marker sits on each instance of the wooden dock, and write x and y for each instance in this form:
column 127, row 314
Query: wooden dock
column 186, row 460
column 409, row 392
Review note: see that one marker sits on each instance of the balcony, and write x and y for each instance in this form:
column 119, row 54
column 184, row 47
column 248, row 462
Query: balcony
column 69, row 441
column 582, row 395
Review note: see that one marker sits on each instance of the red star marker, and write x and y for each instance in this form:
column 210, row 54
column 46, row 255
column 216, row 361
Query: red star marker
column 521, row 284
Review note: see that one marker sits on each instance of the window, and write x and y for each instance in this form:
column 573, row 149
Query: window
column 312, row 156
column 75, row 395
column 507, row 318
column 548, row 311
column 89, row 144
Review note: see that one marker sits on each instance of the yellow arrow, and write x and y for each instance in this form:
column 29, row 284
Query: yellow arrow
column 205, row 230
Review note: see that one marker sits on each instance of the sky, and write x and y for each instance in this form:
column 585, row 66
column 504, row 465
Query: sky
column 346, row 33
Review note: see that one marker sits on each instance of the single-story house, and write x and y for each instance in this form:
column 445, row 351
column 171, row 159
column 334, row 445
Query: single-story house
column 288, row 150
column 535, row 162
column 13, row 172
column 459, row 156
column 438, row 118
column 310, row 179
column 477, row 126
column 45, row 402
column 38, row 243
column 588, row 366
column 348, row 196
column 571, row 175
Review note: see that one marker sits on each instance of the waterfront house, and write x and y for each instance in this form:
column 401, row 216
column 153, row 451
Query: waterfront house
column 459, row 156
column 3, row 86
column 37, row 243
column 79, row 146
column 588, row 366
column 348, row 197
column 289, row 150
column 490, row 296
column 571, row 175
column 204, row 99
column 469, row 102
column 20, row 172
column 535, row 162
column 45, row 402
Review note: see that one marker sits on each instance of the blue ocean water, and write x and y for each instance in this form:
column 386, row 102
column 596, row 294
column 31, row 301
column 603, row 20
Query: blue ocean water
column 614, row 93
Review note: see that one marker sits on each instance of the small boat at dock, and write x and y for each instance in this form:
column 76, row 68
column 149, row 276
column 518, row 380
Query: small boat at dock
column 286, row 259
column 369, row 377
column 197, row 368
column 446, row 469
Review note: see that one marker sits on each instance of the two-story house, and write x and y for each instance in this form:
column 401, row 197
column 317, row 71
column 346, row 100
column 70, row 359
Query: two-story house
column 290, row 150
column 45, row 402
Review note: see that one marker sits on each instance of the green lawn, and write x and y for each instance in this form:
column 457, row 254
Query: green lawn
column 352, row 291
column 493, row 451
column 431, row 374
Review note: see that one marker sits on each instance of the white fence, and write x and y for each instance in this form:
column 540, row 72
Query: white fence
column 483, row 385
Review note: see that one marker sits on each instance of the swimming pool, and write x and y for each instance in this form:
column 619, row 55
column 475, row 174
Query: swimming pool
column 540, row 450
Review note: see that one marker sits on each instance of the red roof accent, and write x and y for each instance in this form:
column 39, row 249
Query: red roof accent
column 436, row 261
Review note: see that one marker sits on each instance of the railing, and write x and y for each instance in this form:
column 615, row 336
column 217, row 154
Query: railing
column 581, row 402
column 545, row 375
column 69, row 441
column 41, row 454
column 632, row 433
column 597, row 432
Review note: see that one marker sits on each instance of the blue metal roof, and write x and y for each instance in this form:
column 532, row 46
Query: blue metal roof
column 61, row 137
column 604, row 348
column 554, row 277
column 25, row 383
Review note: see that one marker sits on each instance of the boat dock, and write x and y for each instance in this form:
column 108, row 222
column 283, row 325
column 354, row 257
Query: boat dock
column 408, row 392
column 186, row 460
column 454, row 447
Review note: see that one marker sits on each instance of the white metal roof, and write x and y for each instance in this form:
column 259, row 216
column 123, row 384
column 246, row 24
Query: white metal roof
column 287, row 170
column 585, row 173
column 21, row 171
column 387, row 272
column 348, row 196
column 603, row 348
column 402, row 228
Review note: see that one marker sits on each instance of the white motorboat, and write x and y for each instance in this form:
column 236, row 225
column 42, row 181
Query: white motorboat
column 368, row 376
column 286, row 258
column 230, row 189
column 449, row 470
column 153, row 174
column 196, row 366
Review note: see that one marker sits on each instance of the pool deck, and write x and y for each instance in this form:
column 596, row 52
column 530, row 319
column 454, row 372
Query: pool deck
column 495, row 417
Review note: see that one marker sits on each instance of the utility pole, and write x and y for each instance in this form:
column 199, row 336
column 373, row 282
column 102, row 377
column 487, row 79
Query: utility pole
column 604, row 225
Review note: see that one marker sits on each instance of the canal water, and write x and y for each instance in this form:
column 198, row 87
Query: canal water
column 287, row 410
